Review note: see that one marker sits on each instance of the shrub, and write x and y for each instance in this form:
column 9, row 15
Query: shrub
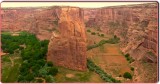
column 132, row 68
column 102, row 35
column 49, row 63
column 49, row 79
column 115, row 36
column 53, row 71
column 129, row 59
column 127, row 75
column 127, row 55
column 29, row 77
column 88, row 30
column 93, row 33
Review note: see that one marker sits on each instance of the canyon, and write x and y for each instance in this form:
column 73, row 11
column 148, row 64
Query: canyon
column 135, row 25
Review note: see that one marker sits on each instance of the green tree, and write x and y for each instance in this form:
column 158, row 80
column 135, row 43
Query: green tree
column 88, row 30
column 127, row 75
column 53, row 71
column 49, row 63
column 49, row 79
column 93, row 33
column 132, row 68
column 29, row 77
column 102, row 35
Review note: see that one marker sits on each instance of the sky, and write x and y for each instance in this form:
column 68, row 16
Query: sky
column 77, row 4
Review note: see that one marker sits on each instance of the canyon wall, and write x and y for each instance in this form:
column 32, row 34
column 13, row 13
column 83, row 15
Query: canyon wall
column 137, row 28
column 40, row 21
column 135, row 25
column 67, row 46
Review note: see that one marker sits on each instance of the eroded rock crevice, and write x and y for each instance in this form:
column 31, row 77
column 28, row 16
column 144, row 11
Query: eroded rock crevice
column 69, row 49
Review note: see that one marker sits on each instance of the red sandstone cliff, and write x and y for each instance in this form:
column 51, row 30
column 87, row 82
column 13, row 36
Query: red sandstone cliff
column 39, row 21
column 67, row 47
column 137, row 28
column 136, row 25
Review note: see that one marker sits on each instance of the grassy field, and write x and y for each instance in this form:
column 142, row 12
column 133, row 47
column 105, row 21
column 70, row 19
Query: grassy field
column 96, row 38
column 10, row 67
column 71, row 76
column 108, row 57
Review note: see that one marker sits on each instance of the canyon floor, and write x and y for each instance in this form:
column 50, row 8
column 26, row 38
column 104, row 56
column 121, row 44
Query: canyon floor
column 102, row 57
column 108, row 57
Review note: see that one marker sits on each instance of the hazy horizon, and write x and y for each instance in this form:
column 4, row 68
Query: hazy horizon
column 75, row 4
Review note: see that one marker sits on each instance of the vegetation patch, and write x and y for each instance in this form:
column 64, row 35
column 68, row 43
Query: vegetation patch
column 93, row 33
column 88, row 30
column 127, row 75
column 75, row 76
column 102, row 42
column 129, row 58
column 107, row 78
column 132, row 68
column 102, row 35
column 10, row 68
column 34, row 64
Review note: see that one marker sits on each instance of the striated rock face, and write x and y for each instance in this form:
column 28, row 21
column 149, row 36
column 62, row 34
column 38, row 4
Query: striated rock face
column 137, row 28
column 135, row 25
column 67, row 47
column 39, row 21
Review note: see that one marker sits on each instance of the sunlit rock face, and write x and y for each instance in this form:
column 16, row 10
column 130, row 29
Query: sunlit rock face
column 137, row 28
column 35, row 20
column 67, row 46
column 135, row 25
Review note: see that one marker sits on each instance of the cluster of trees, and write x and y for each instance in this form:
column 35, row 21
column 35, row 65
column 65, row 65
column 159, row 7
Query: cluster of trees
column 34, row 67
column 102, row 35
column 9, row 43
column 107, row 78
column 93, row 33
column 34, row 61
column 129, row 58
column 113, row 40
